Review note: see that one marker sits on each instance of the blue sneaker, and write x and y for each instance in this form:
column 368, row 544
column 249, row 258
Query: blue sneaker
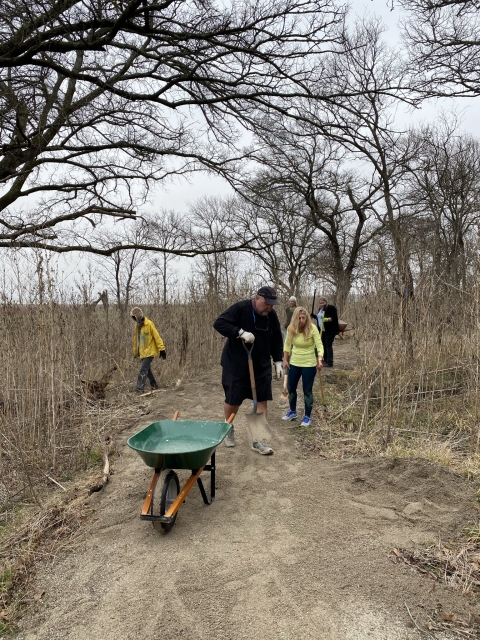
column 290, row 415
column 306, row 422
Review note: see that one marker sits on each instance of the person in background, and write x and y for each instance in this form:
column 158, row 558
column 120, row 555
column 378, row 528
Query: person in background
column 252, row 320
column 302, row 357
column 292, row 303
column 147, row 344
column 327, row 318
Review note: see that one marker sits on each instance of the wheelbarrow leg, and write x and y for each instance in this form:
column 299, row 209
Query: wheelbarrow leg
column 208, row 467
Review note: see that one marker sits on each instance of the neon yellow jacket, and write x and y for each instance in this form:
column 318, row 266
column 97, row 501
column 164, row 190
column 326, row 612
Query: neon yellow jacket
column 303, row 351
column 147, row 342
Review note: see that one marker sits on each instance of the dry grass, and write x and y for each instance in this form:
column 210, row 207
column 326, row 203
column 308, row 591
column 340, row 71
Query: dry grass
column 455, row 564
column 415, row 388
column 442, row 430
column 37, row 535
column 49, row 424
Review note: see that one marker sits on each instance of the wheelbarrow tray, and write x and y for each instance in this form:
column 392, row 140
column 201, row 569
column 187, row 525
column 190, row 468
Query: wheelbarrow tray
column 178, row 444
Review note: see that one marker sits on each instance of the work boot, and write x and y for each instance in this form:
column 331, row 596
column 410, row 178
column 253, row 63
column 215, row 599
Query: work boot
column 262, row 448
column 230, row 439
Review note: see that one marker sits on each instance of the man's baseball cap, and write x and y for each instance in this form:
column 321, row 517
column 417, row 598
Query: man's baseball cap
column 269, row 294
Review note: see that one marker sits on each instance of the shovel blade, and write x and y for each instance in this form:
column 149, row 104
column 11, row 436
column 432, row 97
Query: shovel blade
column 258, row 427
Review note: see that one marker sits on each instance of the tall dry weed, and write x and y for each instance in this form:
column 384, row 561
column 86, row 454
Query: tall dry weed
column 415, row 390
column 49, row 423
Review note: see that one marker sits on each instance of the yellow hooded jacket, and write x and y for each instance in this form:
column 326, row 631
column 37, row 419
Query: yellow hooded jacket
column 147, row 342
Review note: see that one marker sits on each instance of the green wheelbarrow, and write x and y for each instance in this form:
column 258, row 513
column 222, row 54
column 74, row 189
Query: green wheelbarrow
column 177, row 444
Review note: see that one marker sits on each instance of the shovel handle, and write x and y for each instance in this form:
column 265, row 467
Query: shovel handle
column 322, row 390
column 321, row 386
column 252, row 375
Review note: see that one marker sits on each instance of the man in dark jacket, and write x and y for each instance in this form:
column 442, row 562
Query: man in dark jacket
column 327, row 319
column 253, row 321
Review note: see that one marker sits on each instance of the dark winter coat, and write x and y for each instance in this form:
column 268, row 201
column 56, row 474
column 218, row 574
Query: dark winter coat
column 268, row 340
column 330, row 328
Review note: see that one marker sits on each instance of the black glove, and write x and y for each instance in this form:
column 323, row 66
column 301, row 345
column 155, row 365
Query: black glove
column 163, row 355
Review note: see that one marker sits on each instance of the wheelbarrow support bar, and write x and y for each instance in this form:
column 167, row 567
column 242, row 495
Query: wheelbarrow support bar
column 149, row 497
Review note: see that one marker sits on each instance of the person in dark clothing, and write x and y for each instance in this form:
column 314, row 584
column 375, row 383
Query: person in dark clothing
column 253, row 321
column 327, row 319
column 292, row 303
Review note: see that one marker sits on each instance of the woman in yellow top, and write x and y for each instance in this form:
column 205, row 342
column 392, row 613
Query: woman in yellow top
column 302, row 356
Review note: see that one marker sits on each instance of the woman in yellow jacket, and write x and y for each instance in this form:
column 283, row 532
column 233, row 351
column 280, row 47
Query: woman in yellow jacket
column 147, row 344
column 302, row 356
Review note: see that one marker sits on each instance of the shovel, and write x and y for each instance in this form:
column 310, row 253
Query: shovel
column 256, row 422
column 284, row 394
column 322, row 391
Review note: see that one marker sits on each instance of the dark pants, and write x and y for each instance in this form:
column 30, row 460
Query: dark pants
column 144, row 373
column 237, row 390
column 327, row 341
column 308, row 376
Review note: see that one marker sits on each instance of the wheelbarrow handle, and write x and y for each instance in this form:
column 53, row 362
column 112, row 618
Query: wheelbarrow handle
column 252, row 375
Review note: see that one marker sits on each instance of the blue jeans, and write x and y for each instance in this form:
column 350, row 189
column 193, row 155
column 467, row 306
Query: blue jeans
column 308, row 376
column 144, row 373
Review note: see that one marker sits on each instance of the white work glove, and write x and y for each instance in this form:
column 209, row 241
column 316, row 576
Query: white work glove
column 278, row 369
column 246, row 336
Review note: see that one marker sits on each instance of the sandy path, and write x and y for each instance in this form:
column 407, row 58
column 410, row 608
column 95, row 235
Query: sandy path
column 292, row 548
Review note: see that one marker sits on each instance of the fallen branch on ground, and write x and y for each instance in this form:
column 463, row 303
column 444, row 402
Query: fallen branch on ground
column 106, row 467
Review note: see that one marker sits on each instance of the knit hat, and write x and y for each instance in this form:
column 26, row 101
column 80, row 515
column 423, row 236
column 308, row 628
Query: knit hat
column 292, row 299
column 137, row 313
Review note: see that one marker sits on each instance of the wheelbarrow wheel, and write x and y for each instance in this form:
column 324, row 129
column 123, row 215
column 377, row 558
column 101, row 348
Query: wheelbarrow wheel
column 170, row 490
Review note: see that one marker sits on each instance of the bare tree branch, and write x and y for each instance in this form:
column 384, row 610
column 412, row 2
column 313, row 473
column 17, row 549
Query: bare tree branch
column 443, row 39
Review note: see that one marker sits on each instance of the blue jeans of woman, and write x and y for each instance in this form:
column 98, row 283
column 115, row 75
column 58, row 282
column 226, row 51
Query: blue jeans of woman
column 307, row 374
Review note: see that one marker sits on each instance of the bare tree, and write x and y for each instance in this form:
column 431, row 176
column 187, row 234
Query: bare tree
column 445, row 190
column 121, row 269
column 211, row 225
column 443, row 40
column 289, row 256
column 364, row 125
column 167, row 229
column 98, row 97
column 332, row 205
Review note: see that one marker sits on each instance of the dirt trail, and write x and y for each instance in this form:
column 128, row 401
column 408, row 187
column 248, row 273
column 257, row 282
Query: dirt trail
column 291, row 549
